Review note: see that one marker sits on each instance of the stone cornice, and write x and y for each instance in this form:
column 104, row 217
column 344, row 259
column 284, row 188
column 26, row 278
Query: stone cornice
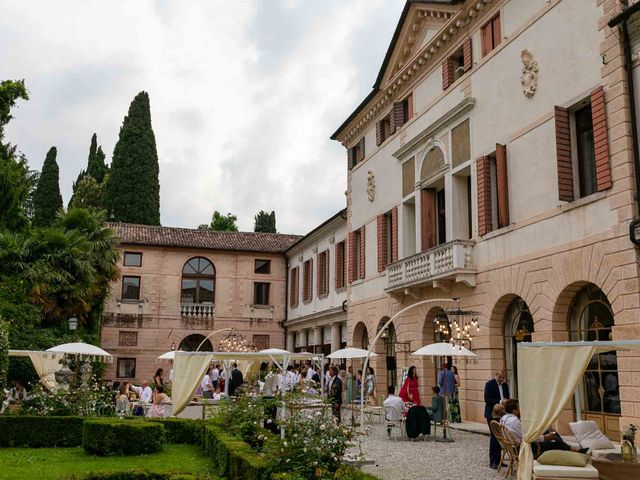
column 408, row 75
column 327, row 317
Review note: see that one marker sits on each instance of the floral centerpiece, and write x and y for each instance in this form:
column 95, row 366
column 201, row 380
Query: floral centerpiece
column 628, row 446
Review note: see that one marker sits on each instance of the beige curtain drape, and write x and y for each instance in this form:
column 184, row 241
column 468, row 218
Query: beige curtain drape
column 548, row 378
column 188, row 371
column 46, row 364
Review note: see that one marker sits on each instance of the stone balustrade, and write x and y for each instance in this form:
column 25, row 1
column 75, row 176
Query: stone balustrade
column 197, row 309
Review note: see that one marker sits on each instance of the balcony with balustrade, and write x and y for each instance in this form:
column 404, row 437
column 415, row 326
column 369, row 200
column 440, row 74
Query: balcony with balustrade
column 202, row 310
column 440, row 267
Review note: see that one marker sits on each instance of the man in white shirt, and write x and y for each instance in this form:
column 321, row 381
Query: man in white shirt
column 214, row 376
column 310, row 372
column 548, row 441
column 393, row 405
column 144, row 392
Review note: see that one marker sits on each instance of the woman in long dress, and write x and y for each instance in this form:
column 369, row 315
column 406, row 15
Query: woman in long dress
column 454, row 404
column 370, row 386
column 159, row 400
column 410, row 390
column 350, row 385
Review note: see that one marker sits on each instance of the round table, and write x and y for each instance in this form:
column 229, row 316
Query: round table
column 611, row 467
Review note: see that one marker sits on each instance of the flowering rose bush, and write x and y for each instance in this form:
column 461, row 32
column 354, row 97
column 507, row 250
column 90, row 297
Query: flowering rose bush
column 245, row 417
column 87, row 400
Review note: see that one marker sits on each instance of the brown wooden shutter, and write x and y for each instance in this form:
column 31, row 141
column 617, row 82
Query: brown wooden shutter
column 600, row 140
column 350, row 159
column 409, row 106
column 483, row 173
column 382, row 242
column 363, row 262
column 327, row 265
column 394, row 234
column 310, row 280
column 497, row 31
column 361, row 150
column 292, row 287
column 319, row 274
column 466, row 54
column 336, row 271
column 428, row 212
column 379, row 133
column 392, row 122
column 352, row 273
column 502, row 187
column 399, row 113
column 448, row 73
column 563, row 153
column 486, row 39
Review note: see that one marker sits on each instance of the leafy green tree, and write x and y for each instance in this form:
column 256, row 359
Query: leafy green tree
column 223, row 223
column 16, row 180
column 265, row 222
column 4, row 351
column 88, row 193
column 47, row 200
column 133, row 189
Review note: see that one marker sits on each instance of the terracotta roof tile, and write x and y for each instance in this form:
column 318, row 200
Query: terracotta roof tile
column 152, row 235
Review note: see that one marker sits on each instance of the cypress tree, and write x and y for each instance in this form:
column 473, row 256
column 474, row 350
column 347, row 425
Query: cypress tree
column 95, row 165
column 133, row 188
column 265, row 222
column 47, row 199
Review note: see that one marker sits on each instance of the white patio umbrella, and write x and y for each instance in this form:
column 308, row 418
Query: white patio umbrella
column 83, row 350
column 168, row 355
column 444, row 349
column 351, row 352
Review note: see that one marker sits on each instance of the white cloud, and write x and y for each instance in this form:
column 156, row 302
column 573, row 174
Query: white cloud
column 244, row 94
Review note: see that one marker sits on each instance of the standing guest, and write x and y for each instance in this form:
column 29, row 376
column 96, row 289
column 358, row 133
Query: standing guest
column 358, row 384
column 343, row 378
column 158, row 380
column 144, row 392
column 410, row 391
column 159, row 400
column 215, row 374
column 370, row 387
column 496, row 391
column 235, row 381
column 454, row 407
column 206, row 384
column 350, row 382
column 447, row 384
column 310, row 372
column 335, row 392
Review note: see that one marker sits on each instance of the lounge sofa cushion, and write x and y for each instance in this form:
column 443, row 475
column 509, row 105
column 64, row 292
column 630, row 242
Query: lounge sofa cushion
column 562, row 457
column 589, row 435
column 557, row 471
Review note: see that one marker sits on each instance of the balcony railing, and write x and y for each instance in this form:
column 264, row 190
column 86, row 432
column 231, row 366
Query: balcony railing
column 449, row 261
column 197, row 309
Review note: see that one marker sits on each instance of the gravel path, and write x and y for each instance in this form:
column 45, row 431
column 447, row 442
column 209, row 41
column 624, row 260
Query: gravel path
column 464, row 459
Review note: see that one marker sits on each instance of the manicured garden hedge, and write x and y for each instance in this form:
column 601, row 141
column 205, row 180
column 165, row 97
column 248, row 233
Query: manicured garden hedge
column 135, row 475
column 108, row 437
column 38, row 432
column 181, row 430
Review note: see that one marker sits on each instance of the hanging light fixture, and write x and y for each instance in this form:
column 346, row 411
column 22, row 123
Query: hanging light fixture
column 236, row 343
column 462, row 324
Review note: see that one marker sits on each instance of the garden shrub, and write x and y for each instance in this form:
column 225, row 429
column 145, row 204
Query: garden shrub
column 134, row 475
column 108, row 437
column 37, row 432
column 181, row 430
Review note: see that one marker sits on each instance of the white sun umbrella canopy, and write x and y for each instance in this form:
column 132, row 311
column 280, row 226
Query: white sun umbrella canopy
column 168, row 355
column 83, row 350
column 351, row 352
column 444, row 349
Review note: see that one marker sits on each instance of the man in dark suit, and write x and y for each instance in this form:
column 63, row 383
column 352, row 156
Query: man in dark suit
column 235, row 381
column 496, row 390
column 335, row 392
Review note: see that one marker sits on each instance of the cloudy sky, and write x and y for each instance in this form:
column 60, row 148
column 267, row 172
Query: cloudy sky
column 244, row 94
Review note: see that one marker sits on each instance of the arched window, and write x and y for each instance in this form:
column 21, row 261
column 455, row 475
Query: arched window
column 518, row 327
column 198, row 281
column 591, row 318
column 191, row 343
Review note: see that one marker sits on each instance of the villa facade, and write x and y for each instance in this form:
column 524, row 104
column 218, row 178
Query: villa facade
column 493, row 162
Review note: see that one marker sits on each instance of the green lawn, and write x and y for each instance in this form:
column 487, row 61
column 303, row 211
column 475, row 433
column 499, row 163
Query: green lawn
column 57, row 463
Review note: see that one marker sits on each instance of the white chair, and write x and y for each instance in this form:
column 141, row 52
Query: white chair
column 394, row 419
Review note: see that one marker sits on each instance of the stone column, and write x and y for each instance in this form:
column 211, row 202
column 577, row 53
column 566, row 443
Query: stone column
column 335, row 336
column 291, row 341
column 317, row 336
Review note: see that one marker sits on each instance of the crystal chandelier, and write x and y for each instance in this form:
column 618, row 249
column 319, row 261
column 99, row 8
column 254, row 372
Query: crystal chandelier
column 457, row 324
column 236, row 343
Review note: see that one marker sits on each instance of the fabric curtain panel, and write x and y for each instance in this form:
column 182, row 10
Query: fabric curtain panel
column 543, row 396
column 188, row 371
column 46, row 365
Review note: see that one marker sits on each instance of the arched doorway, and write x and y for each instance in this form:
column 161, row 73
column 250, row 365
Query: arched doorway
column 360, row 336
column 591, row 318
column 191, row 342
column 518, row 327
column 390, row 340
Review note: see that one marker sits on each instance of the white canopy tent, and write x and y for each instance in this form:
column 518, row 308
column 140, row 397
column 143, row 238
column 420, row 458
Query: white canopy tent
column 190, row 367
column 170, row 355
column 548, row 375
column 351, row 353
column 82, row 350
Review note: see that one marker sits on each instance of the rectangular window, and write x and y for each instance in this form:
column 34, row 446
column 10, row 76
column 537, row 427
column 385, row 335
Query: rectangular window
column 293, row 287
column 263, row 267
column 130, row 288
column 132, row 259
column 442, row 217
column 307, row 280
column 126, row 368
column 261, row 293
column 341, row 265
column 585, row 152
column 323, row 273
column 407, row 108
column 491, row 35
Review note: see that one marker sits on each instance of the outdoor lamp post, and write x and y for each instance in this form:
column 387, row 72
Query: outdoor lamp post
column 73, row 323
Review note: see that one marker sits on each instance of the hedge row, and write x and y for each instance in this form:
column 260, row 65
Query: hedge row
column 38, row 432
column 134, row 475
column 108, row 437
column 43, row 432
column 345, row 472
column 233, row 458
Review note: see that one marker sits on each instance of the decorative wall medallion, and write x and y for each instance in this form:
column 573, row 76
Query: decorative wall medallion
column 127, row 339
column 529, row 77
column 371, row 185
